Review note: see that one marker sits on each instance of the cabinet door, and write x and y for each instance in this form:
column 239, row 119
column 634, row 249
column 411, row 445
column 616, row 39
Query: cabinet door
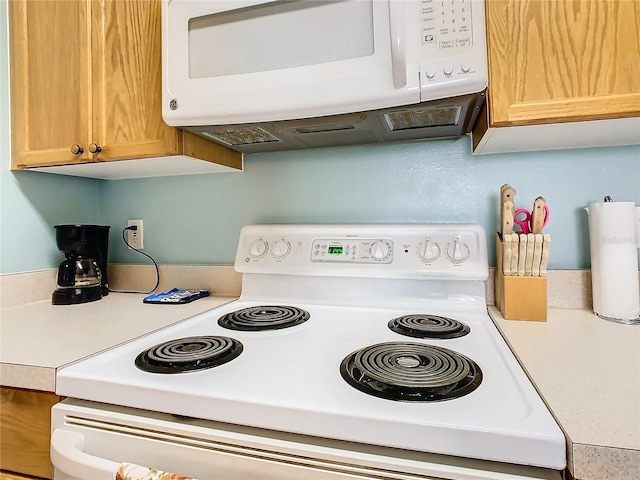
column 25, row 425
column 562, row 60
column 49, row 55
column 127, row 75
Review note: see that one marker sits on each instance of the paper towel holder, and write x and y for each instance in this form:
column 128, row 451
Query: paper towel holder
column 626, row 320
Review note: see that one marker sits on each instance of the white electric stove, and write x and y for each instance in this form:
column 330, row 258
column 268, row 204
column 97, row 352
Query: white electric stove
column 354, row 351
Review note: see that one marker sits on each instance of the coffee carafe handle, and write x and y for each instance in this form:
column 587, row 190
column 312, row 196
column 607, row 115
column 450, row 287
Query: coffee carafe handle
column 67, row 273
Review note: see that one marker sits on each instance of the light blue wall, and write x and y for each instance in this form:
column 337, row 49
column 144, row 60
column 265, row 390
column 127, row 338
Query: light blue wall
column 196, row 219
column 31, row 203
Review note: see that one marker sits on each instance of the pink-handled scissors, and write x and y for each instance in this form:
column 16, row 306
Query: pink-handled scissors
column 524, row 218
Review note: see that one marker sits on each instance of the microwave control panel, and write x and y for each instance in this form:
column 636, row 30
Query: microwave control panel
column 447, row 24
column 452, row 44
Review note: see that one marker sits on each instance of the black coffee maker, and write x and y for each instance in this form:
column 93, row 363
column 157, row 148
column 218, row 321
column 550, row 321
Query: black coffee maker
column 82, row 276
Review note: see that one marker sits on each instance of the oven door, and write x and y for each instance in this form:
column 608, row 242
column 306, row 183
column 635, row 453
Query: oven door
column 249, row 61
column 92, row 441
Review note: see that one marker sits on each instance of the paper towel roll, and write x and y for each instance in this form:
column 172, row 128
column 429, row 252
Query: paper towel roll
column 614, row 261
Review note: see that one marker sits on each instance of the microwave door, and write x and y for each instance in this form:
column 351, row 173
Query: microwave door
column 281, row 60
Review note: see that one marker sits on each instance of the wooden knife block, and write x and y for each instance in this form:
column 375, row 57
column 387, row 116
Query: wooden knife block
column 519, row 298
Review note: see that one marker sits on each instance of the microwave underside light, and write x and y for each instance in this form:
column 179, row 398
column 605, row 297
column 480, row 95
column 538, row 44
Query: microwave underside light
column 450, row 117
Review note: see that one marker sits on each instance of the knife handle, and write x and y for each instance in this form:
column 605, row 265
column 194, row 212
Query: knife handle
column 507, row 218
column 538, row 215
column 506, row 255
column 515, row 253
column 537, row 255
column 546, row 246
column 528, row 262
column 522, row 254
column 507, row 193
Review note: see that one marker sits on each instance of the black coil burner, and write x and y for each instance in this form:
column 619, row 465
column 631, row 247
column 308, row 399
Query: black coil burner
column 272, row 317
column 428, row 326
column 189, row 354
column 411, row 372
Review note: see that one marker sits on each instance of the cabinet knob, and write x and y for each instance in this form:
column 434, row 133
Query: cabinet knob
column 94, row 148
column 76, row 149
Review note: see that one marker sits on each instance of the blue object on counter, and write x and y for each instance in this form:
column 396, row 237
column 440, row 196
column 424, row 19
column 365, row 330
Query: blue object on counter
column 176, row 296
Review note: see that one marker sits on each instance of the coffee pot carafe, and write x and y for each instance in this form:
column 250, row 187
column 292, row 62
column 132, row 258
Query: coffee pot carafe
column 76, row 271
column 82, row 275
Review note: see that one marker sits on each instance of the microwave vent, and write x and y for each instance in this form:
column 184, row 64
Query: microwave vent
column 334, row 127
column 241, row 136
column 424, row 117
column 445, row 117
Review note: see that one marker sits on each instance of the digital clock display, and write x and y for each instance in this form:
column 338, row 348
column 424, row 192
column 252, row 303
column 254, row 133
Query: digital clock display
column 335, row 250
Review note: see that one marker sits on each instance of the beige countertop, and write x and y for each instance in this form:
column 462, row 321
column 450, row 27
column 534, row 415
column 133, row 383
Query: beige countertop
column 37, row 338
column 587, row 370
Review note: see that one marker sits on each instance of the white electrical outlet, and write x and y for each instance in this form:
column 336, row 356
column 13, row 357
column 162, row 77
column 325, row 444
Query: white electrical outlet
column 134, row 237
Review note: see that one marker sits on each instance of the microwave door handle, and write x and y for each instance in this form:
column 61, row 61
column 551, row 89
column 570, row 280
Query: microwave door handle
column 398, row 47
column 67, row 455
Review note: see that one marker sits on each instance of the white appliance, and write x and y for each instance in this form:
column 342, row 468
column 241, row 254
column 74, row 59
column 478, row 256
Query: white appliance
column 259, row 75
column 353, row 352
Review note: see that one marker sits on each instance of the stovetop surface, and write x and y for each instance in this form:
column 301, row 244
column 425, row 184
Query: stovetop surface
column 289, row 380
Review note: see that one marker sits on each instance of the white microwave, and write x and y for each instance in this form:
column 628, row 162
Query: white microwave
column 259, row 75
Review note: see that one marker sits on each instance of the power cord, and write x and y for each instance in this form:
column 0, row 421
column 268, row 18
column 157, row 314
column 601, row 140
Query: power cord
column 124, row 239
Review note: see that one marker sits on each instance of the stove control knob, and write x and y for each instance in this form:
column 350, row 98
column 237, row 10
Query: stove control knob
column 428, row 250
column 258, row 248
column 380, row 250
column 457, row 252
column 281, row 248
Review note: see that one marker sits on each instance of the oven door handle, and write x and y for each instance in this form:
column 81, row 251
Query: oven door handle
column 68, row 456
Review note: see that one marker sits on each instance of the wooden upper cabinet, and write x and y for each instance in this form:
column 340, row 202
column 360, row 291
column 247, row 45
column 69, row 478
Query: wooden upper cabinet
column 127, row 81
column 50, row 81
column 562, row 60
column 89, row 73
